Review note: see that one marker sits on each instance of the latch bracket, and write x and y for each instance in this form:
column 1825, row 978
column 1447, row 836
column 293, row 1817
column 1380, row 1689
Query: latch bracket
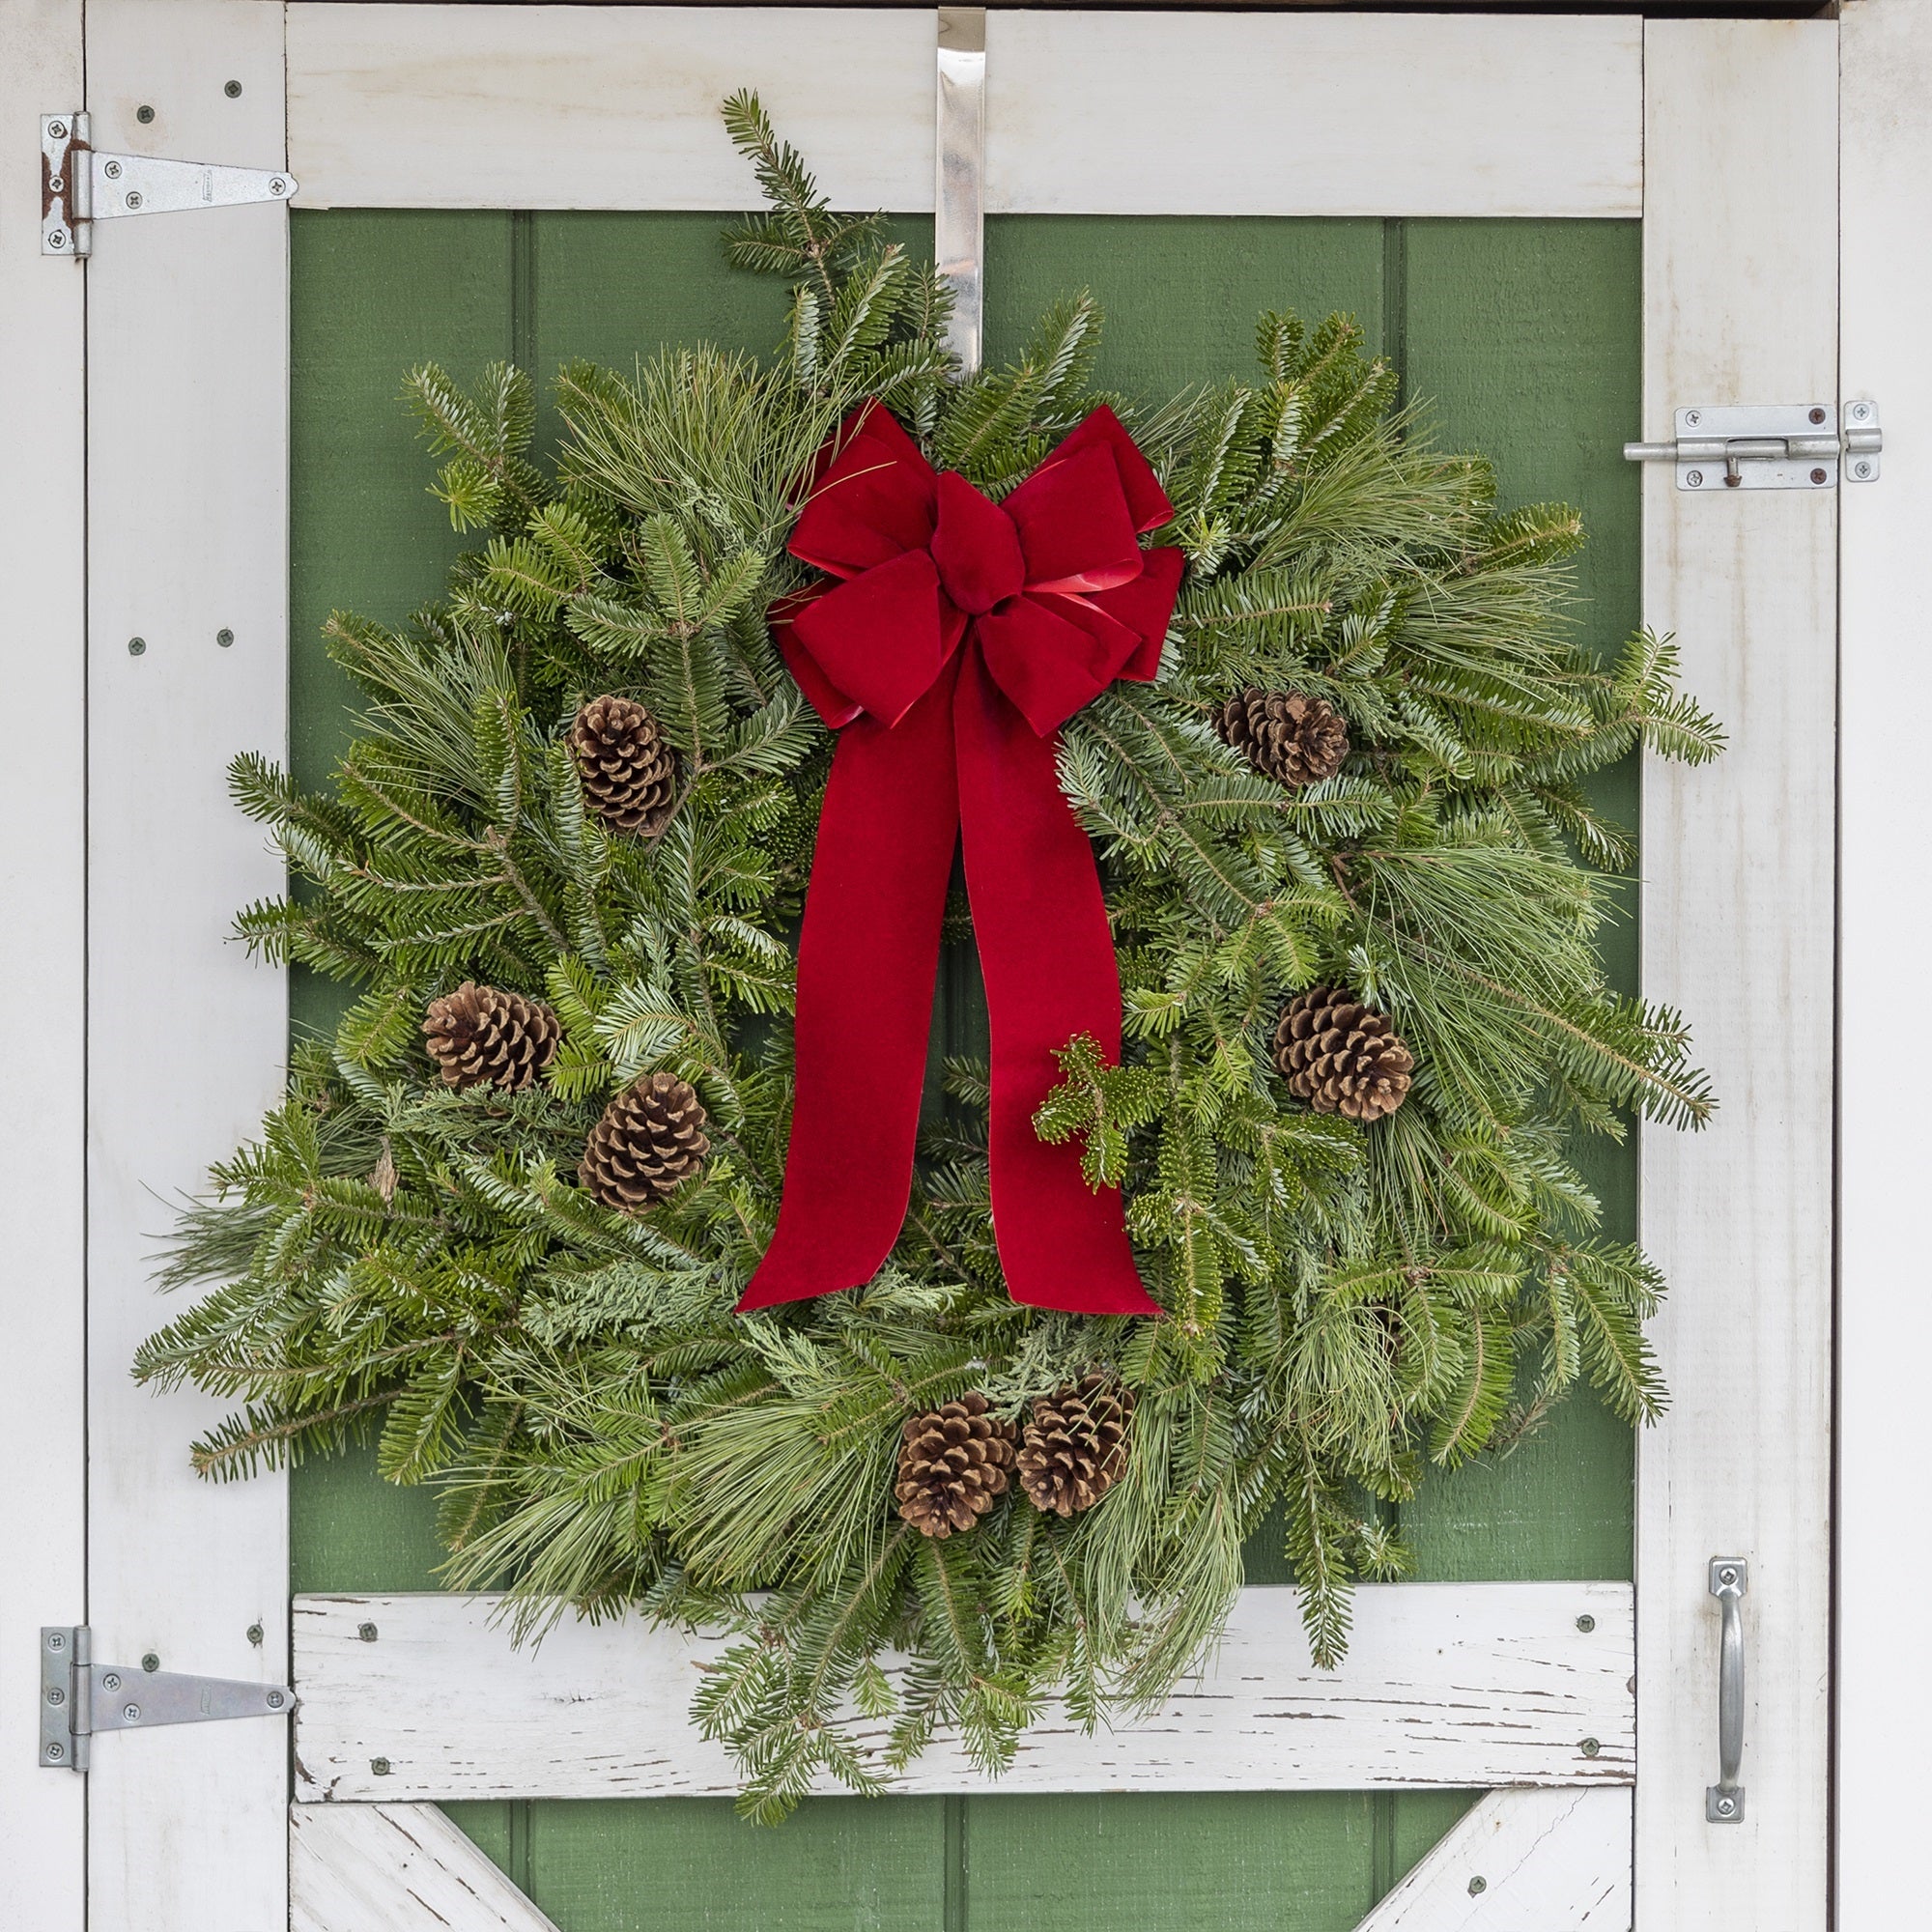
column 80, row 186
column 1774, row 447
column 80, row 1698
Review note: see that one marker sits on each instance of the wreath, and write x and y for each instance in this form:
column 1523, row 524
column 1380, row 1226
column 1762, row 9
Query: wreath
column 1301, row 699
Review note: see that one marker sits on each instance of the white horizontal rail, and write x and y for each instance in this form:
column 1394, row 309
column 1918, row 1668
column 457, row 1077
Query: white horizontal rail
column 1191, row 113
column 1445, row 1684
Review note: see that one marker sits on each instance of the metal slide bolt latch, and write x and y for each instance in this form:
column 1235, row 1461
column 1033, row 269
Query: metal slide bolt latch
column 80, row 186
column 80, row 1698
column 1724, row 1801
column 1794, row 446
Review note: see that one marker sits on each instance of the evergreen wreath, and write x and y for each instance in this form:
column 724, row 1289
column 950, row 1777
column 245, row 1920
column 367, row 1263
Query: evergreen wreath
column 500, row 1220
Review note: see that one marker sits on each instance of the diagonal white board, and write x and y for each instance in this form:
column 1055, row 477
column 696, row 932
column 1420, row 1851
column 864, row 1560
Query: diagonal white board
column 425, row 1697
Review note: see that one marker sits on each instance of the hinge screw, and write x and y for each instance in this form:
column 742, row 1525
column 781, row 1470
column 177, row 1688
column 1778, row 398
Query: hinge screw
column 275, row 1700
column 144, row 115
column 56, row 1695
column 56, row 1750
column 132, row 1712
column 112, row 170
column 57, row 182
column 1477, row 1885
column 1862, row 471
column 380, row 1765
column 1817, row 415
column 278, row 185
column 1860, row 410
column 57, row 1639
column 1591, row 1746
column 57, row 130
column 233, row 89
column 1693, row 418
column 1817, row 476
column 133, row 197
column 112, row 1681
column 57, row 238
column 151, row 1663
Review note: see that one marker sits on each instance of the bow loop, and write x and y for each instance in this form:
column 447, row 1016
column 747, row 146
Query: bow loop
column 976, row 547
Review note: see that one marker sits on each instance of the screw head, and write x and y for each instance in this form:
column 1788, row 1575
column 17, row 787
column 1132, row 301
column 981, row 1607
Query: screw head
column 1861, row 469
column 231, row 88
column 1694, row 417
column 1591, row 1748
column 133, row 197
column 1817, row 476
column 366, row 1631
column 144, row 114
column 380, row 1765
column 1587, row 1623
column 150, row 1662
column 57, row 238
column 278, row 185
column 112, row 170
column 225, row 637
column 56, row 1750
column 136, row 645
column 57, row 1639
column 255, row 1635
column 55, row 1694
column 1727, row 1576
column 1695, row 479
column 275, row 1700
column 112, row 1681
column 1817, row 415
column 1860, row 410
column 1478, row 1885
column 1727, row 1808
column 56, row 183
column 57, row 130
column 132, row 1712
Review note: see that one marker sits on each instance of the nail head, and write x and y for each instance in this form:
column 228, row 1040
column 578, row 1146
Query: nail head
column 136, row 645
column 231, row 89
column 225, row 637
column 380, row 1765
column 1591, row 1748
column 1587, row 1623
column 144, row 114
column 1478, row 1885
column 151, row 1663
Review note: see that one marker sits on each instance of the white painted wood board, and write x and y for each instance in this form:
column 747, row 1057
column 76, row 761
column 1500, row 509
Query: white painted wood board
column 187, row 491
column 396, row 1868
column 1885, row 1671
column 1444, row 1685
column 42, row 962
column 1522, row 1861
column 1740, row 251
column 1197, row 113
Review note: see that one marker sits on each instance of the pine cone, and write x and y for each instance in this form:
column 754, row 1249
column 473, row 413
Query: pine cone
column 479, row 1037
column 1342, row 1056
column 1286, row 735
column 954, row 1465
column 650, row 1142
column 1075, row 1448
column 629, row 773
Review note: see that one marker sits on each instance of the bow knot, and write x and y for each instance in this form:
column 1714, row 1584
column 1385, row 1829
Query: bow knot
column 953, row 639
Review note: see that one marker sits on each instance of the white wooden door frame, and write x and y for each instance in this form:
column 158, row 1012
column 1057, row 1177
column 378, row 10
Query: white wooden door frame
column 187, row 493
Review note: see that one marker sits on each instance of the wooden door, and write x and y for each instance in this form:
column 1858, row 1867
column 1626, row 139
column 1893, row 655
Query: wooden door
column 1546, row 224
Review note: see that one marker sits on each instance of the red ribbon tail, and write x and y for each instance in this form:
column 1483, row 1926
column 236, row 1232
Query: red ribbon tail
column 867, row 959
column 1048, row 957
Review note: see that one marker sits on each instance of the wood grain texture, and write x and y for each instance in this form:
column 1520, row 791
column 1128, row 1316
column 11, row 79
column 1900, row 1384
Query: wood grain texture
column 1740, row 253
column 1444, row 1685
column 187, row 495
column 545, row 107
column 1521, row 1862
column 42, row 962
column 1885, row 936
column 396, row 1868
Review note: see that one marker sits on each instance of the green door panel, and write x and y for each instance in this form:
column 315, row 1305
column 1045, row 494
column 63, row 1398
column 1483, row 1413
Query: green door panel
column 1524, row 338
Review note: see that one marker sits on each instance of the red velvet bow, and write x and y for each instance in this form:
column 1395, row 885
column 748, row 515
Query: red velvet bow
column 955, row 638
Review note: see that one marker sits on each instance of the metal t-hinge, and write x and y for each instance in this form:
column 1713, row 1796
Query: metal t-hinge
column 80, row 1698
column 80, row 186
column 1778, row 446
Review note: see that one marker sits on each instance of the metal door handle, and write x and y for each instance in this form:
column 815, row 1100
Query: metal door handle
column 1724, row 1801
